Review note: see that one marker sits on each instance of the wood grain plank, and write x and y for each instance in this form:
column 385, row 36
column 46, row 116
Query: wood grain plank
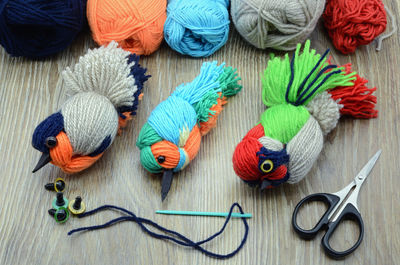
column 31, row 90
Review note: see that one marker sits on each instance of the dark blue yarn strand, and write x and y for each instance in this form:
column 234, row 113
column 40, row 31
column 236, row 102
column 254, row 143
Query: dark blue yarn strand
column 182, row 240
column 296, row 103
column 141, row 220
column 104, row 145
column 312, row 71
column 139, row 74
column 291, row 78
column 319, row 85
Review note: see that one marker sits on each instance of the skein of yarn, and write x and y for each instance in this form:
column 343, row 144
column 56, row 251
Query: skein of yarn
column 137, row 25
column 351, row 23
column 197, row 28
column 276, row 24
column 38, row 28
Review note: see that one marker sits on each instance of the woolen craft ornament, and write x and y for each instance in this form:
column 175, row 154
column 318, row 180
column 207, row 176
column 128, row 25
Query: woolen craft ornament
column 276, row 24
column 305, row 98
column 351, row 23
column 137, row 25
column 171, row 137
column 197, row 28
column 37, row 28
column 105, row 86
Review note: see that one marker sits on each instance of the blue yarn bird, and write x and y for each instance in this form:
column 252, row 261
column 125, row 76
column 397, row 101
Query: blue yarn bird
column 171, row 137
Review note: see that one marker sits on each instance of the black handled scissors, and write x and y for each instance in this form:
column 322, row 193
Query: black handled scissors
column 341, row 206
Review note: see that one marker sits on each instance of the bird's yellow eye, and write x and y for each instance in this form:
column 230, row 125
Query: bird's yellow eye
column 267, row 166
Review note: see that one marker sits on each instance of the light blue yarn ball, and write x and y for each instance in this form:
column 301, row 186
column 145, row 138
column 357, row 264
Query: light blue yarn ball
column 197, row 27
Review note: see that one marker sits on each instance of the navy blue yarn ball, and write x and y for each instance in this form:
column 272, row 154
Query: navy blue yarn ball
column 40, row 28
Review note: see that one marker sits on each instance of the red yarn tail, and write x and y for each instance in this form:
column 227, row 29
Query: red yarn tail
column 357, row 100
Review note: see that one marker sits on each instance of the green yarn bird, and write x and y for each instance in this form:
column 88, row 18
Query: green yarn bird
column 305, row 97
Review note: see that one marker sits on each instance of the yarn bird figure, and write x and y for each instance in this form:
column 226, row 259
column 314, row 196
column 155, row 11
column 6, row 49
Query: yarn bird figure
column 305, row 97
column 171, row 137
column 105, row 86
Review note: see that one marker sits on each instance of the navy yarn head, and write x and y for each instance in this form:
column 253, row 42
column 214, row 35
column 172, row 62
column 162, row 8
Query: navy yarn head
column 51, row 126
column 139, row 73
column 278, row 158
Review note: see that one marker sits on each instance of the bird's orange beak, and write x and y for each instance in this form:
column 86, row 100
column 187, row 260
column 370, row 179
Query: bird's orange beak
column 43, row 160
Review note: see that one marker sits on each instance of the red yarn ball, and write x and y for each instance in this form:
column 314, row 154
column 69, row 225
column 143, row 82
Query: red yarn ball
column 351, row 23
column 245, row 159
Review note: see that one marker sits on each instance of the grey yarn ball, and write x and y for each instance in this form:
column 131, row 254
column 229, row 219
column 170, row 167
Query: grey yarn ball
column 277, row 24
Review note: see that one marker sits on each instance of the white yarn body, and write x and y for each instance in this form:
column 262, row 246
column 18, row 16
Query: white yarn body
column 88, row 119
column 306, row 146
column 277, row 24
column 325, row 110
column 270, row 143
column 304, row 150
column 98, row 84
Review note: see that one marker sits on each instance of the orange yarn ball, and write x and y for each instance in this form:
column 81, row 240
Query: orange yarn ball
column 137, row 25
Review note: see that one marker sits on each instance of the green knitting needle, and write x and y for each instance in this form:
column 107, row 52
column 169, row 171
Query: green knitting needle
column 236, row 215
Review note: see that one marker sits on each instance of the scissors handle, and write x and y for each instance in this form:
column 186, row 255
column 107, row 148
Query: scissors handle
column 329, row 199
column 349, row 213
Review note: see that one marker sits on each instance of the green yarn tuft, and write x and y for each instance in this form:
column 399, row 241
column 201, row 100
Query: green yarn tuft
column 229, row 87
column 147, row 136
column 228, row 81
column 202, row 107
column 282, row 122
column 278, row 73
column 148, row 161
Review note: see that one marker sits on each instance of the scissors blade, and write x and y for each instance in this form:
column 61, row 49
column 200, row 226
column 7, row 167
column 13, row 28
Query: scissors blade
column 363, row 174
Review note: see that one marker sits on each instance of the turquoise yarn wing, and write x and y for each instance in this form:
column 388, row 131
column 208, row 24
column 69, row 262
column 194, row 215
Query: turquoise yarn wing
column 206, row 81
column 190, row 103
column 227, row 87
column 171, row 117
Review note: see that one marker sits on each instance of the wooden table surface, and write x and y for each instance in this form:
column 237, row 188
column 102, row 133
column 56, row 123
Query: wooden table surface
column 31, row 90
